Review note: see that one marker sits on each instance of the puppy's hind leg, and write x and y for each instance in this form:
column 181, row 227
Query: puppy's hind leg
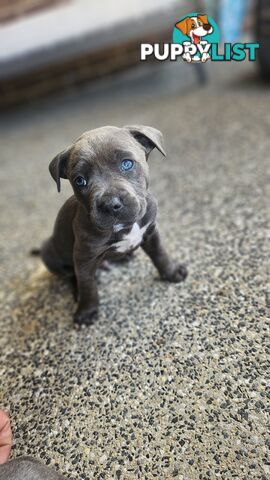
column 55, row 265
column 53, row 261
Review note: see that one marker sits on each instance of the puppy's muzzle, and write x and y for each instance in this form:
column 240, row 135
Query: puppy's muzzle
column 117, row 204
column 111, row 205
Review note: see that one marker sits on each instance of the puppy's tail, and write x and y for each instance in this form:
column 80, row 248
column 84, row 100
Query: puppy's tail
column 35, row 252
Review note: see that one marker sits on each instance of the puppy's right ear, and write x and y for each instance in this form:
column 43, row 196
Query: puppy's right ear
column 183, row 26
column 58, row 167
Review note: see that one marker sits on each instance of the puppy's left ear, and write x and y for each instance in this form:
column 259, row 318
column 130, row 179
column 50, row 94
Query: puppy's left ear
column 203, row 18
column 58, row 167
column 148, row 137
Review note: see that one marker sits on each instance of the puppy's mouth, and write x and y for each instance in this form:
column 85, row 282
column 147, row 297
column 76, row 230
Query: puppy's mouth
column 200, row 32
column 115, row 209
column 112, row 224
column 116, row 223
column 196, row 39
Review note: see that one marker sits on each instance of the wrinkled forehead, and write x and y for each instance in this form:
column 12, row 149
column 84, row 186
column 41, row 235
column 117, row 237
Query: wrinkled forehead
column 106, row 145
column 195, row 20
column 192, row 20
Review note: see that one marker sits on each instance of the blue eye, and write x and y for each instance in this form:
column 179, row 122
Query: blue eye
column 80, row 182
column 127, row 165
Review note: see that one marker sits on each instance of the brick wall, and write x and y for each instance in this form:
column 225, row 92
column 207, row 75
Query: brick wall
column 75, row 68
column 12, row 9
column 75, row 71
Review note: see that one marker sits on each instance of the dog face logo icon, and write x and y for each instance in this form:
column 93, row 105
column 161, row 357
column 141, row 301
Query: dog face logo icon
column 196, row 32
column 195, row 27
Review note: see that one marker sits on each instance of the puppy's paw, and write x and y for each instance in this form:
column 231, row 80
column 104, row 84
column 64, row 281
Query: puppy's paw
column 187, row 57
column 105, row 266
column 205, row 57
column 175, row 273
column 124, row 259
column 86, row 317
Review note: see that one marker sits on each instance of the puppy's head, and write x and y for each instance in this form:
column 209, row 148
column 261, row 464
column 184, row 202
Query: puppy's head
column 195, row 27
column 108, row 171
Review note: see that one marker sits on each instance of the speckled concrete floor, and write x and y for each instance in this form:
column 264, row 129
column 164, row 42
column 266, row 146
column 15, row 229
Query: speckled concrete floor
column 171, row 381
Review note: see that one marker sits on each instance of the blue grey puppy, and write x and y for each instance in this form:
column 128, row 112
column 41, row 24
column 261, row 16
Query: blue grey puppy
column 111, row 213
column 27, row 468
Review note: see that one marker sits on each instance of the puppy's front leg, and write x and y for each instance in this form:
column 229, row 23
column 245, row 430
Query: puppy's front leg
column 85, row 270
column 168, row 269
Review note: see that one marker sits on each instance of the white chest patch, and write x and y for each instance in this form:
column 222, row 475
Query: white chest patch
column 132, row 239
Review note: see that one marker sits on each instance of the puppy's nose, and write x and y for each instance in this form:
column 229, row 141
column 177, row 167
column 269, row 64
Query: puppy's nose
column 111, row 205
column 116, row 204
column 207, row 27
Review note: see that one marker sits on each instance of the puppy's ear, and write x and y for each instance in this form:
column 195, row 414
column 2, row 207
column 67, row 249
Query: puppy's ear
column 183, row 26
column 203, row 18
column 58, row 167
column 148, row 137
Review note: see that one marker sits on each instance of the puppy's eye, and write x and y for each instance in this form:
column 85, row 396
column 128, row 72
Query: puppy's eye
column 80, row 182
column 127, row 165
column 193, row 25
